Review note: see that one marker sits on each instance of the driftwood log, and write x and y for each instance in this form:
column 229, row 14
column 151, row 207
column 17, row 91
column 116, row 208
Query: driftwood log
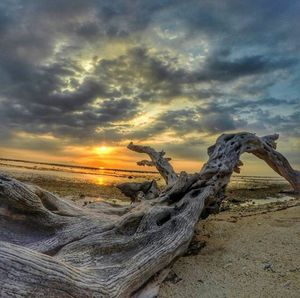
column 51, row 248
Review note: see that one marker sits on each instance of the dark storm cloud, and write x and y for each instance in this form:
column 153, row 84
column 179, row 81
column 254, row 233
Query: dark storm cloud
column 142, row 75
column 253, row 49
column 288, row 125
column 244, row 23
column 80, row 126
column 216, row 69
column 218, row 117
column 186, row 121
column 236, row 106
column 161, row 78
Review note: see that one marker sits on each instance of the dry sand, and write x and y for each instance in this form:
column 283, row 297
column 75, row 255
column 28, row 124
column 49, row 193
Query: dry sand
column 253, row 256
column 249, row 251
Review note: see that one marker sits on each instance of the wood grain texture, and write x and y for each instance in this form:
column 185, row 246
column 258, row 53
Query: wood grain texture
column 52, row 248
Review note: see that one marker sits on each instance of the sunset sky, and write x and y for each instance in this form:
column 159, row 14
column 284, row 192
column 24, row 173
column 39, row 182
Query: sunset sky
column 80, row 79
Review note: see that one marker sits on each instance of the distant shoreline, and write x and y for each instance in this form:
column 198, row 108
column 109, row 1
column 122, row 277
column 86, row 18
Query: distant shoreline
column 76, row 166
column 239, row 177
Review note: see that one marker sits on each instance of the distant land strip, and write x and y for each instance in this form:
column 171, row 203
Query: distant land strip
column 234, row 177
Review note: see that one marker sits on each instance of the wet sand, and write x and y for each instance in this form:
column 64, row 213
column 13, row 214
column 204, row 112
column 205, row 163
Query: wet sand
column 250, row 249
column 75, row 189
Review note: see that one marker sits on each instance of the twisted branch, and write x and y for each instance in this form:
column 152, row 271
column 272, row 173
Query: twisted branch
column 51, row 248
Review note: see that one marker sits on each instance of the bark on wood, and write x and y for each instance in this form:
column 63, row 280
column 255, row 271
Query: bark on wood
column 139, row 191
column 52, row 248
column 159, row 161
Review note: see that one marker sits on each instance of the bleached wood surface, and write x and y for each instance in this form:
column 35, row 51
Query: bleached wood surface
column 52, row 248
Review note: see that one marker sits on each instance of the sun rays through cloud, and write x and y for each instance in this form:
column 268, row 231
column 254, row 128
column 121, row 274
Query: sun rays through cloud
column 81, row 79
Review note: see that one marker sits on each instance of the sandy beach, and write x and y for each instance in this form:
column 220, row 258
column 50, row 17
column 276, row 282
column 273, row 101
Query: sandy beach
column 249, row 249
column 253, row 256
column 159, row 146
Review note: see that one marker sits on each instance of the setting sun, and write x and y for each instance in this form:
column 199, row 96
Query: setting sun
column 124, row 123
column 103, row 150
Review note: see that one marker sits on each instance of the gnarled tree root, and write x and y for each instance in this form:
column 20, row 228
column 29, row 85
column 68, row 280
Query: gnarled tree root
column 51, row 248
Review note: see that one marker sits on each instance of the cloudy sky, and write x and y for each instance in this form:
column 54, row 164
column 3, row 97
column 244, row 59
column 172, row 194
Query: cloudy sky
column 79, row 79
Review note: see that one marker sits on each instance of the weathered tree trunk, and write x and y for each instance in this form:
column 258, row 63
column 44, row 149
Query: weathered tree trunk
column 52, row 248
